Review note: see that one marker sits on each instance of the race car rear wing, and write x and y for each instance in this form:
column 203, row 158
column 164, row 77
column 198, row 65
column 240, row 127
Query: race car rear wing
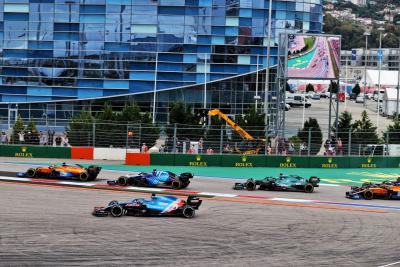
column 194, row 202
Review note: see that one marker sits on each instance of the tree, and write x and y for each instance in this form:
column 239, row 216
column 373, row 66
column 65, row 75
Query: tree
column 17, row 128
column 364, row 131
column 345, row 126
column 333, row 88
column 31, row 133
column 253, row 122
column 186, row 120
column 80, row 129
column 356, row 89
column 393, row 133
column 309, row 88
column 316, row 135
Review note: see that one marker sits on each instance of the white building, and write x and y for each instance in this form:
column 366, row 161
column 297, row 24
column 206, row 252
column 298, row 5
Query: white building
column 390, row 99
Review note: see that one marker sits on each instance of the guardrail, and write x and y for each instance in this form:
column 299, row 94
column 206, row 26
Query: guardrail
column 133, row 157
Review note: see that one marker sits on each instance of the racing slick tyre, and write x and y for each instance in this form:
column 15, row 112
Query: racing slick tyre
column 308, row 188
column 368, row 195
column 250, row 185
column 31, row 173
column 123, row 180
column 117, row 211
column 83, row 176
column 188, row 212
column 176, row 184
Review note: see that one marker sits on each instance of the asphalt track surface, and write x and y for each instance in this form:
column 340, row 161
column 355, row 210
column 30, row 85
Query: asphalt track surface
column 52, row 226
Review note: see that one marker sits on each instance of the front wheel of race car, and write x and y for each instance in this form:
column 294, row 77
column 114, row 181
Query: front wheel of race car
column 83, row 176
column 308, row 188
column 188, row 212
column 117, row 211
column 368, row 195
column 176, row 184
column 250, row 185
column 123, row 180
column 31, row 173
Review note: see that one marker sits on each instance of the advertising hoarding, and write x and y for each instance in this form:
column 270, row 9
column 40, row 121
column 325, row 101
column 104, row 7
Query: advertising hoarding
column 313, row 57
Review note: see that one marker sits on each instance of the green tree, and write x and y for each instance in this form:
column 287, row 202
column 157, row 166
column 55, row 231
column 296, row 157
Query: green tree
column 186, row 120
column 316, row 135
column 309, row 88
column 393, row 133
column 356, row 89
column 364, row 131
column 130, row 113
column 31, row 133
column 345, row 126
column 80, row 129
column 253, row 122
column 17, row 128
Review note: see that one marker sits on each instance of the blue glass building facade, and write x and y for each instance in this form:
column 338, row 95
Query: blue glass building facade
column 72, row 50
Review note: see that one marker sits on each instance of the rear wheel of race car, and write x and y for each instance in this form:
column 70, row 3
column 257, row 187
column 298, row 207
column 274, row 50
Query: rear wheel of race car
column 176, row 184
column 368, row 195
column 123, row 180
column 188, row 212
column 117, row 211
column 251, row 185
column 308, row 188
column 31, row 172
column 83, row 176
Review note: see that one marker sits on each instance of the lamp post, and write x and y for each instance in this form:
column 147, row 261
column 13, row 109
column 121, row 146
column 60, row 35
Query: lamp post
column 366, row 34
column 257, row 97
column 155, row 90
column 266, row 93
column 380, row 57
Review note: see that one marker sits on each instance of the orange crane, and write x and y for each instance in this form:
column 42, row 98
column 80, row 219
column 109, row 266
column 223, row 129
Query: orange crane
column 245, row 135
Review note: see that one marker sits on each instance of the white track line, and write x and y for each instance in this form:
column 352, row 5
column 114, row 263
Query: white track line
column 390, row 264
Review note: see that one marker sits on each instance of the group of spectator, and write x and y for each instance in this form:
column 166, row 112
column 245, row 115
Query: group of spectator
column 333, row 146
column 33, row 137
column 287, row 147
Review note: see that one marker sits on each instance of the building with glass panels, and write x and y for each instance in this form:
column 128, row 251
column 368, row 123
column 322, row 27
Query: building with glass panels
column 60, row 55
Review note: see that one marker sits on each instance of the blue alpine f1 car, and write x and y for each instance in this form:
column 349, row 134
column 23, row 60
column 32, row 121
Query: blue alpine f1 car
column 156, row 206
column 155, row 179
column 281, row 183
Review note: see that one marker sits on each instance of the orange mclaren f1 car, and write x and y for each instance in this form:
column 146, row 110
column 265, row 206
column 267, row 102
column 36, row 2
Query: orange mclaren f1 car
column 384, row 190
column 63, row 171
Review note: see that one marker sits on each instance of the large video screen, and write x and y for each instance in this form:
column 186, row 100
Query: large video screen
column 313, row 57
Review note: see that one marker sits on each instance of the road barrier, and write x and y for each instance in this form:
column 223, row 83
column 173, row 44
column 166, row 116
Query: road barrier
column 35, row 151
column 132, row 157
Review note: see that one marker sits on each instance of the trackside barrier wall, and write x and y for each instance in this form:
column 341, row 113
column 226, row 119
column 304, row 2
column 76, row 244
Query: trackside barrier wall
column 35, row 151
column 109, row 153
column 82, row 152
column 137, row 159
column 273, row 161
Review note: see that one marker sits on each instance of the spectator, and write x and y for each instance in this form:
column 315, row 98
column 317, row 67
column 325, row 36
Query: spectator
column 269, row 150
column 21, row 137
column 191, row 150
column 144, row 149
column 201, row 142
column 50, row 137
column 228, row 149
column 42, row 139
column 4, row 138
column 210, row 151
column 58, row 140
column 340, row 146
column 64, row 140
column 303, row 148
column 291, row 148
